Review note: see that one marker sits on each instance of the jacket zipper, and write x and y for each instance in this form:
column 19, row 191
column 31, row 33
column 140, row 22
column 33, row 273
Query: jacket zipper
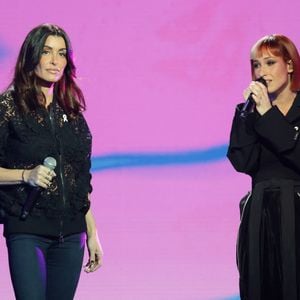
column 61, row 176
column 62, row 180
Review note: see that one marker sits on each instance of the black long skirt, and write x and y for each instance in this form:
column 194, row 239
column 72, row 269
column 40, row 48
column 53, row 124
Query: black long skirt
column 268, row 246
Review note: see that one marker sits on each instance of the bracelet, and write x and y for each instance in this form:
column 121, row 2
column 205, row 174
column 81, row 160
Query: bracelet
column 23, row 180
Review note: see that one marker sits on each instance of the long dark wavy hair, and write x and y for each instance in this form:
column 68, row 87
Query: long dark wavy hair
column 25, row 83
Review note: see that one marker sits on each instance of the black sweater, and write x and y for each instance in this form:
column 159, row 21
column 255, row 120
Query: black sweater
column 267, row 147
column 25, row 141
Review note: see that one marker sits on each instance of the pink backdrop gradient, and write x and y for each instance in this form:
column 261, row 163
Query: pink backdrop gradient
column 160, row 76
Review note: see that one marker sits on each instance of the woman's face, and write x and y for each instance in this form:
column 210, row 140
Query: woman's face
column 53, row 59
column 273, row 69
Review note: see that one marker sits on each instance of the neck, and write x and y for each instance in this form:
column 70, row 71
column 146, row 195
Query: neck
column 284, row 101
column 47, row 89
column 48, row 93
column 285, row 97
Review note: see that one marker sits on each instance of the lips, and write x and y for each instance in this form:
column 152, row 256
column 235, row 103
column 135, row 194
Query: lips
column 268, row 81
column 53, row 71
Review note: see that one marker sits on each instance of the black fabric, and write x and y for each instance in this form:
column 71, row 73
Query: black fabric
column 257, row 147
column 267, row 242
column 268, row 247
column 25, row 141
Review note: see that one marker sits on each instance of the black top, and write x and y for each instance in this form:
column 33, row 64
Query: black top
column 25, row 141
column 267, row 147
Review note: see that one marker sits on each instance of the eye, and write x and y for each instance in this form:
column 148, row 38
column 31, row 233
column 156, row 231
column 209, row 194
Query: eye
column 45, row 52
column 255, row 65
column 63, row 54
column 271, row 62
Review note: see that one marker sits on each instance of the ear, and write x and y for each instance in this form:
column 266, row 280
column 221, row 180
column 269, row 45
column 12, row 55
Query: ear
column 290, row 67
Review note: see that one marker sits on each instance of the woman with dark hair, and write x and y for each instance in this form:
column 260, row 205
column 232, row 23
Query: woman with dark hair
column 264, row 143
column 45, row 159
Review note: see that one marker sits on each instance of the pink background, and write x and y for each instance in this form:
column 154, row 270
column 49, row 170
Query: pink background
column 161, row 79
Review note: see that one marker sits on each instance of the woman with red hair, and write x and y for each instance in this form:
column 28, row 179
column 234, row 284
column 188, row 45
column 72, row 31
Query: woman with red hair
column 264, row 143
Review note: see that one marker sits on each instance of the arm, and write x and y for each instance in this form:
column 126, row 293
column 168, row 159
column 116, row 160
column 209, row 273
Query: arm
column 7, row 176
column 84, row 178
column 244, row 147
column 39, row 176
column 93, row 244
column 11, row 176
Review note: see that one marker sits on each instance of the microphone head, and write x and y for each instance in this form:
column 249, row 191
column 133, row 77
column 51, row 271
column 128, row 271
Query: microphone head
column 50, row 162
column 262, row 80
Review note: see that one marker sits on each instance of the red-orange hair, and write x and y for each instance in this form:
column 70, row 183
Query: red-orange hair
column 282, row 46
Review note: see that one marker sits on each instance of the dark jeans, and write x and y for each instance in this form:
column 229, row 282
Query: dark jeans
column 43, row 268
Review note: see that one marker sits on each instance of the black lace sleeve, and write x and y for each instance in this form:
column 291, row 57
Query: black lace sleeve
column 7, row 111
column 83, row 131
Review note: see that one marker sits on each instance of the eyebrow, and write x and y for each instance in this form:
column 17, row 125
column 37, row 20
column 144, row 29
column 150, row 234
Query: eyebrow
column 46, row 46
column 265, row 58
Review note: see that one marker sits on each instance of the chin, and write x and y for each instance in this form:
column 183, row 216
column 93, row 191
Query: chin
column 53, row 79
column 46, row 81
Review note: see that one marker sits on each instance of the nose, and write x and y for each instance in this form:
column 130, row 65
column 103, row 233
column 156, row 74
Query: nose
column 262, row 71
column 54, row 59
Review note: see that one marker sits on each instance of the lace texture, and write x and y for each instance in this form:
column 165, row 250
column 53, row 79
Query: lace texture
column 26, row 140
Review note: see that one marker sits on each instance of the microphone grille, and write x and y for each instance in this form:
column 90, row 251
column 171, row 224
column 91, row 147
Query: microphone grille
column 50, row 162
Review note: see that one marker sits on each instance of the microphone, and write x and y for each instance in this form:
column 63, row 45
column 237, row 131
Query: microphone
column 50, row 163
column 250, row 103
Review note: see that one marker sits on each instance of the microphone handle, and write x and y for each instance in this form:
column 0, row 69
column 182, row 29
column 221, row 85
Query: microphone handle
column 50, row 163
column 247, row 107
column 250, row 103
column 30, row 201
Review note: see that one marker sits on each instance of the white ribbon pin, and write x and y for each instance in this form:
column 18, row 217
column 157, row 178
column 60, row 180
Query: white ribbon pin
column 65, row 118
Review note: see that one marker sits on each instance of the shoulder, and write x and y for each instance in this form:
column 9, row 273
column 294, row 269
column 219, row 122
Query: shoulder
column 81, row 126
column 7, row 103
column 7, row 96
column 79, row 119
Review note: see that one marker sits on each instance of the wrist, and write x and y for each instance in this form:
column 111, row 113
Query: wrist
column 24, row 176
column 263, row 110
column 91, row 232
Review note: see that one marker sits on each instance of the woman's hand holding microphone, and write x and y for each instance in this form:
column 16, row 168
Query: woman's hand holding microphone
column 259, row 93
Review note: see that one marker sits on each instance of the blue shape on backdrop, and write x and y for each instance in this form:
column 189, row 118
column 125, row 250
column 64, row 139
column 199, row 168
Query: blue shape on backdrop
column 129, row 160
column 3, row 51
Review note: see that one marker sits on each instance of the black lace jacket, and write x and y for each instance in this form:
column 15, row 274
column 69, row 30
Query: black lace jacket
column 25, row 141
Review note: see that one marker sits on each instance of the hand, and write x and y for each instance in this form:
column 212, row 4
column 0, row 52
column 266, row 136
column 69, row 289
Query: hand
column 260, row 96
column 95, row 254
column 39, row 176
